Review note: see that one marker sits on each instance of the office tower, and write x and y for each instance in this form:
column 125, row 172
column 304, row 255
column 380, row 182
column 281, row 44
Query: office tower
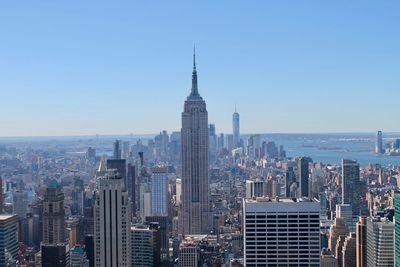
column 178, row 185
column 189, row 254
column 125, row 150
column 196, row 215
column 77, row 196
column 290, row 178
column 349, row 251
column 163, row 230
column 8, row 240
column 281, row 232
column 380, row 240
column 78, row 257
column 344, row 211
column 144, row 246
column 379, row 143
column 236, row 128
column 212, row 142
column 112, row 222
column 351, row 187
column 159, row 191
column 131, row 186
column 338, row 229
column 20, row 203
column 254, row 189
column 120, row 166
column 303, row 170
column 229, row 142
column 53, row 215
column 361, row 242
column 117, row 149
column 55, row 255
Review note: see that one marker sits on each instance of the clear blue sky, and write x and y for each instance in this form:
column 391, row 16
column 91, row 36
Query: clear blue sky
column 119, row 67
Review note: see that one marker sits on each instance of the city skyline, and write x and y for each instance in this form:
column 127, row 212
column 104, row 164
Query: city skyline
column 277, row 62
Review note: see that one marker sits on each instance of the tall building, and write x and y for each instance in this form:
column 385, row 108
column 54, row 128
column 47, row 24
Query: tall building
column 189, row 254
column 117, row 149
column 361, row 242
column 144, row 248
column 338, row 229
column 20, row 203
column 351, row 186
column 77, row 196
column 281, row 232
column 304, row 171
column 379, row 143
column 344, row 211
column 112, row 222
column 254, row 189
column 78, row 257
column 236, row 128
column 53, row 215
column 349, row 251
column 195, row 165
column 380, row 240
column 163, row 231
column 397, row 228
column 159, row 192
column 8, row 240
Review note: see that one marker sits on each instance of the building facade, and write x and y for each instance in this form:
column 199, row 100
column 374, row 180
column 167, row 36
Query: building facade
column 195, row 217
column 112, row 222
column 281, row 232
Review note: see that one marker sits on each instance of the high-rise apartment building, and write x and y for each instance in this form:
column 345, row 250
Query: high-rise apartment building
column 53, row 215
column 195, row 217
column 8, row 240
column 112, row 222
column 159, row 191
column 380, row 242
column 281, row 232
column 351, row 186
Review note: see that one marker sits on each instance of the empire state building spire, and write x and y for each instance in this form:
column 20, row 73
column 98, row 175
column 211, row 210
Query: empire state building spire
column 195, row 91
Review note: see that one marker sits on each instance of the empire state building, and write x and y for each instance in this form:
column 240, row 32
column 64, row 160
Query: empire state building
column 195, row 210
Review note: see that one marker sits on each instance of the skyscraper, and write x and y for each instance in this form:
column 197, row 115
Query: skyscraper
column 117, row 149
column 236, row 128
column 361, row 242
column 159, row 192
column 112, row 222
column 380, row 240
column 379, row 143
column 284, row 232
column 53, row 215
column 195, row 173
column 8, row 240
column 303, row 176
column 351, row 185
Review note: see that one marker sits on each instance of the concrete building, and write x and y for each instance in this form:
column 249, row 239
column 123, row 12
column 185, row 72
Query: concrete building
column 53, row 215
column 337, row 229
column 195, row 211
column 328, row 259
column 143, row 245
column 380, row 242
column 112, row 222
column 188, row 254
column 255, row 189
column 345, row 212
column 8, row 240
column 379, row 143
column 293, row 232
column 349, row 251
